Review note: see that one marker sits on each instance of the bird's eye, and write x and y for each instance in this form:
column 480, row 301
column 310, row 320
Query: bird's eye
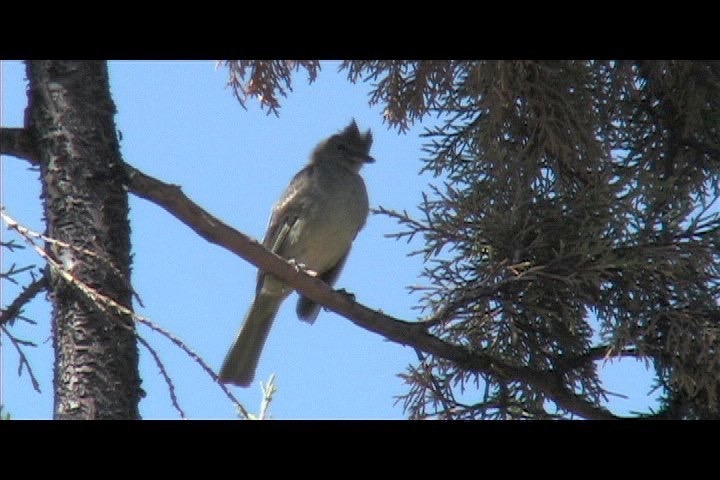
column 341, row 147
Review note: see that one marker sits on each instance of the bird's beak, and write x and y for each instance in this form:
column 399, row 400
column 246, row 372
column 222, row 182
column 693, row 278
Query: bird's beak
column 368, row 159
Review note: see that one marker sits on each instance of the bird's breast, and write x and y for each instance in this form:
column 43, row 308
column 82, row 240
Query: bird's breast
column 329, row 222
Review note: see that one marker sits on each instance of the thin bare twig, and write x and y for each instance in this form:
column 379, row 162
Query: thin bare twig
column 163, row 372
column 13, row 271
column 268, row 390
column 26, row 232
column 23, row 359
column 434, row 386
column 192, row 355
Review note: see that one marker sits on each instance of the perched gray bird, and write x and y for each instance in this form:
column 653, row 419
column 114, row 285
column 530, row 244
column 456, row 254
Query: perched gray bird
column 314, row 224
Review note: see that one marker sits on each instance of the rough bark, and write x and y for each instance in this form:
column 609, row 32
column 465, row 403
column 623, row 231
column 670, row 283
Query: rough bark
column 70, row 117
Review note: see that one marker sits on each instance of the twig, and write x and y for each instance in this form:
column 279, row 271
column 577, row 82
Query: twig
column 168, row 380
column 192, row 355
column 601, row 352
column 23, row 359
column 27, row 233
column 434, row 386
column 268, row 390
column 11, row 245
column 14, row 271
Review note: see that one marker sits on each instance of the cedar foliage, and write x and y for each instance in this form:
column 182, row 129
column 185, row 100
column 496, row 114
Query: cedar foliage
column 573, row 221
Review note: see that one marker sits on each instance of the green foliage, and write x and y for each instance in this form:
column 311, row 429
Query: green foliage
column 572, row 222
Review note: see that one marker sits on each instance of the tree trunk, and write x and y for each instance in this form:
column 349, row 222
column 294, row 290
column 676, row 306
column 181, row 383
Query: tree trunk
column 70, row 114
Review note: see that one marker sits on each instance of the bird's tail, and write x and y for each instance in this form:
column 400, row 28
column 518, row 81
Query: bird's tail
column 242, row 359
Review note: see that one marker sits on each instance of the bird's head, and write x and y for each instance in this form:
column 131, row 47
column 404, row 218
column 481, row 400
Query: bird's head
column 349, row 148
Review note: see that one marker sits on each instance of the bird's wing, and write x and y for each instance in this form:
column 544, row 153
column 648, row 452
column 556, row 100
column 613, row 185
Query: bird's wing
column 284, row 215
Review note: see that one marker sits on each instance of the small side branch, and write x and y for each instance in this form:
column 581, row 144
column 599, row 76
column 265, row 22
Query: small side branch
column 163, row 372
column 601, row 352
column 13, row 310
column 18, row 143
column 18, row 344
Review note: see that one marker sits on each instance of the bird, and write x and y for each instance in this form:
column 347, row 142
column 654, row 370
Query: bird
column 313, row 225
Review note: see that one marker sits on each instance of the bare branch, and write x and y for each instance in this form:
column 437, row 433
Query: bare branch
column 163, row 372
column 13, row 271
column 9, row 314
column 172, row 199
column 197, row 358
column 23, row 359
column 18, row 143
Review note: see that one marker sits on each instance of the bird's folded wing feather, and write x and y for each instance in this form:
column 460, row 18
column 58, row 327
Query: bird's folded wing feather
column 284, row 215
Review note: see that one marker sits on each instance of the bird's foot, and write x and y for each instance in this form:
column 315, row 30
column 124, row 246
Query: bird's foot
column 301, row 267
column 350, row 295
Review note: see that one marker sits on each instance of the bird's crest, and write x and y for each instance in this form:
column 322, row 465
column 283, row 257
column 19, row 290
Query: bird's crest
column 353, row 132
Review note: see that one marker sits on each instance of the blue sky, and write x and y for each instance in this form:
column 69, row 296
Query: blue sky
column 180, row 124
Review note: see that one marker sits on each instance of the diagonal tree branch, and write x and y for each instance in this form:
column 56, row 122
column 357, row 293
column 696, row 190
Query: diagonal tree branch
column 172, row 199
column 414, row 334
